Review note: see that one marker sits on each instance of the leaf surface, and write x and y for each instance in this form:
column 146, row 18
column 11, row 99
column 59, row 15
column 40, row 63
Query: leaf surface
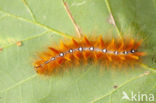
column 40, row 23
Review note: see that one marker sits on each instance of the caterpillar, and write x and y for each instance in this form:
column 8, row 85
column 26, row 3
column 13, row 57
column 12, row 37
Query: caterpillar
column 115, row 52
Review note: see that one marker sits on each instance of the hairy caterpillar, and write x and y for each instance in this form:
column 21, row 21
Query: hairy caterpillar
column 108, row 52
column 117, row 52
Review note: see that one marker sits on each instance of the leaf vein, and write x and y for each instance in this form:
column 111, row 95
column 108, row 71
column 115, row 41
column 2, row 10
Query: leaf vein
column 29, row 38
column 149, row 68
column 123, row 84
column 110, row 12
column 18, row 83
column 29, row 10
column 37, row 23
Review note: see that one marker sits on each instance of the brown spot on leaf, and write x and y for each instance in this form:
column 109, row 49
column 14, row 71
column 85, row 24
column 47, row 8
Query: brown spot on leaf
column 111, row 20
column 147, row 73
column 19, row 43
column 1, row 49
column 115, row 86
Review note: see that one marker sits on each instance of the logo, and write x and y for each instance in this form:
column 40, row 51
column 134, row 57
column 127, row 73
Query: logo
column 137, row 96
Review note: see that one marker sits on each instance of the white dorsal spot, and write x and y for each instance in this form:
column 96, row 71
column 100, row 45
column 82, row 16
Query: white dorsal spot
column 70, row 50
column 104, row 50
column 91, row 48
column 53, row 58
column 132, row 51
column 125, row 52
column 116, row 52
column 80, row 48
column 61, row 54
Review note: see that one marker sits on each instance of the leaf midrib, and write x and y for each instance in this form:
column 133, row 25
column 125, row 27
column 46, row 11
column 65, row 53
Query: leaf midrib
column 36, row 23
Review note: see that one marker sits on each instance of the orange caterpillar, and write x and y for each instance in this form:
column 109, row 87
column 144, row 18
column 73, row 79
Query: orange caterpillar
column 114, row 52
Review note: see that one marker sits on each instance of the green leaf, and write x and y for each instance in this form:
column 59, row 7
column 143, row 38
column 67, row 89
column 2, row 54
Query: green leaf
column 42, row 23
